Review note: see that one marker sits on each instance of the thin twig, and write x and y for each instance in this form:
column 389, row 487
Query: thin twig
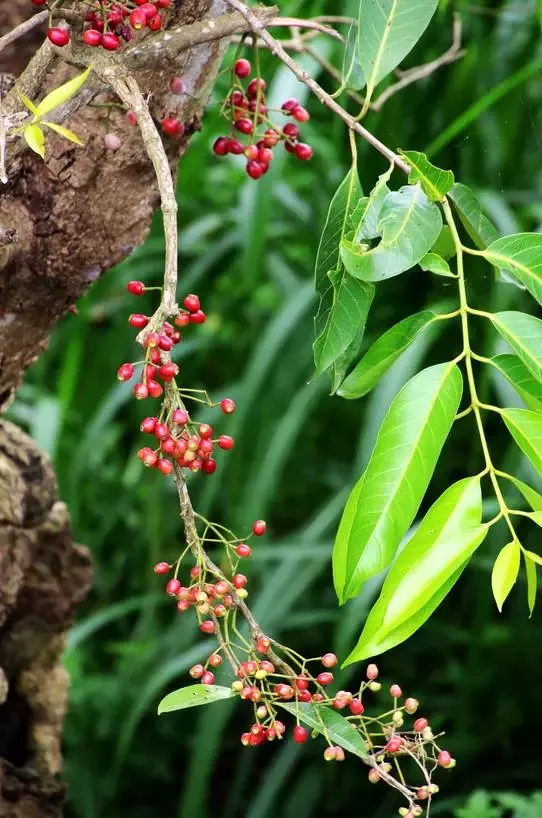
column 294, row 22
column 303, row 76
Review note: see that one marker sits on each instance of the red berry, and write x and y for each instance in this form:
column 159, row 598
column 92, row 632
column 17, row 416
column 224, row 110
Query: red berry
column 155, row 23
column 141, row 391
column 125, row 372
column 91, row 37
column 239, row 581
column 301, row 734
column 58, row 36
column 197, row 671
column 227, row 405
column 356, row 707
column 255, row 85
column 164, row 4
column 244, row 125
column 110, row 42
column 301, row 683
column 149, row 9
column 161, row 568
column 221, row 146
column 173, row 587
column 161, row 431
column 168, row 371
column 138, row 321
column 182, row 320
column 209, row 466
column 131, row 118
column 154, row 388
column 138, row 19
column 225, row 442
column 176, row 85
column 243, row 550
column 420, row 725
column 148, row 457
column 172, row 127
column 198, row 317
column 303, row 151
column 242, row 69
column 305, row 696
column 270, row 138
column 165, row 465
column 324, row 679
column 215, row 660
column 329, row 660
column 263, row 644
column 291, row 130
column 169, row 446
column 152, row 340
column 192, row 303
column 396, row 691
column 411, row 705
column 207, row 626
column 444, row 758
column 265, row 155
column 254, row 169
column 221, row 587
column 300, row 114
column 235, row 147
column 205, row 431
column 136, row 287
column 259, row 527
column 251, row 152
column 394, row 744
column 372, row 672
column 208, row 678
column 289, row 105
column 39, row 2
column 180, row 416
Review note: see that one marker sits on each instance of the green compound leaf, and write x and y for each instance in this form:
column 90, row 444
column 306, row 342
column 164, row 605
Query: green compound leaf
column 520, row 255
column 62, row 94
column 345, row 318
column 35, row 139
column 532, row 581
column 426, row 569
column 524, row 334
column 386, row 499
column 505, row 572
column 409, row 225
column 526, row 429
column 516, row 373
column 533, row 497
column 322, row 718
column 383, row 353
column 388, row 31
column 433, row 263
column 435, row 182
column 193, row 696
column 480, row 229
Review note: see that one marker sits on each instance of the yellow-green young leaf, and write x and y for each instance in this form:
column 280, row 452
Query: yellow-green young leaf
column 521, row 255
column 388, row 31
column 524, row 334
column 62, row 94
column 27, row 102
column 516, row 373
column 65, row 132
column 426, row 569
column 434, row 263
column 505, row 572
column 532, row 582
column 383, row 353
column 193, row 696
column 533, row 497
column 409, row 225
column 526, row 429
column 480, row 229
column 536, row 516
column 385, row 500
column 532, row 556
column 322, row 718
column 35, row 139
column 435, row 182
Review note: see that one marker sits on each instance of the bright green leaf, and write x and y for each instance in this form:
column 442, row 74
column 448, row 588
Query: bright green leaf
column 35, row 139
column 27, row 102
column 532, row 581
column 435, row 182
column 382, row 354
column 388, row 31
column 532, row 556
column 193, row 696
column 65, row 132
column 521, row 255
column 444, row 245
column 516, row 373
column 473, row 218
column 352, row 75
column 365, row 218
column 62, row 94
column 526, row 429
column 385, row 500
column 536, row 516
column 347, row 315
column 425, row 569
column 433, row 263
column 409, row 225
column 533, row 497
column 323, row 718
column 505, row 572
column 524, row 334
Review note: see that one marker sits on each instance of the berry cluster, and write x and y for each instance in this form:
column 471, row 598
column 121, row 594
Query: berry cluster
column 179, row 439
column 111, row 22
column 248, row 111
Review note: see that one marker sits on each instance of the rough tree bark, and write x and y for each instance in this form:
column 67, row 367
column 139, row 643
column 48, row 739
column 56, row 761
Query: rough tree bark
column 62, row 224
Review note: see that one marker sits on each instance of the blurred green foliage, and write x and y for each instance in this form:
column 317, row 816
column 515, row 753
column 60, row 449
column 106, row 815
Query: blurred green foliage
column 248, row 249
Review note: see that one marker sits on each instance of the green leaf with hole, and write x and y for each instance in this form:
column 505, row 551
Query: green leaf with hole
column 323, row 719
column 521, row 255
column 433, row 263
column 480, row 229
column 388, row 31
column 516, row 373
column 365, row 217
column 35, row 139
column 346, row 316
column 505, row 572
column 62, row 94
column 383, row 353
column 408, row 223
column 62, row 131
column 193, row 696
column 526, row 429
column 524, row 334
column 533, row 497
column 435, row 182
column 343, row 203
column 386, row 499
column 430, row 562
column 532, row 581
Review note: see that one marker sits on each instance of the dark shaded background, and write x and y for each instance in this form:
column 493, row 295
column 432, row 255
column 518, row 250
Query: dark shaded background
column 248, row 249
